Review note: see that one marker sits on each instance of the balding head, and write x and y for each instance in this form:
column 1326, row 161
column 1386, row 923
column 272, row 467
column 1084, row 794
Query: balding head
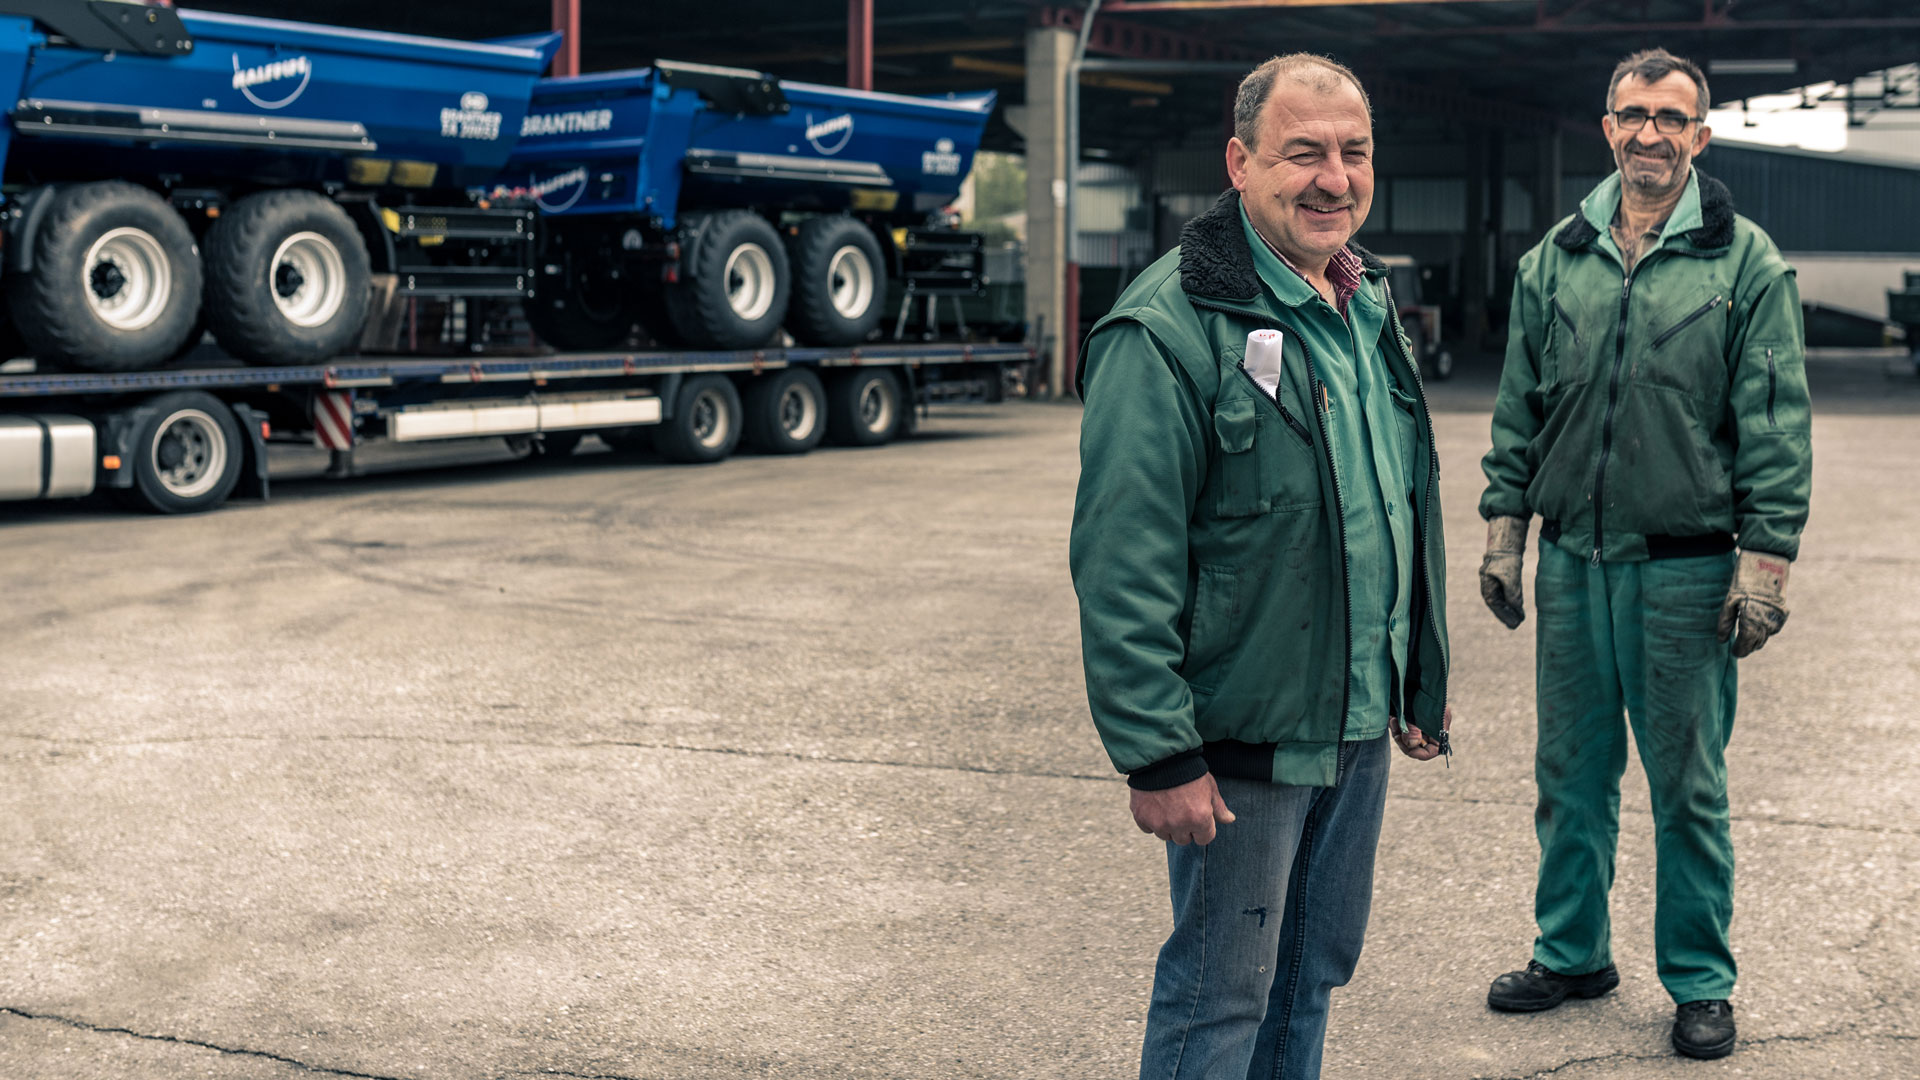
column 1317, row 73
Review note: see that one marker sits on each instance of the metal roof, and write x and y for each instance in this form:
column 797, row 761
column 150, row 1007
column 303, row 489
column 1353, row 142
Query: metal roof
column 1518, row 64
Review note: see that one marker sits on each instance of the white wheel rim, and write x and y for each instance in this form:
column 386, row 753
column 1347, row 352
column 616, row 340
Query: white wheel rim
column 308, row 278
column 126, row 278
column 711, row 420
column 876, row 407
column 750, row 282
column 799, row 412
column 188, row 453
column 850, row 282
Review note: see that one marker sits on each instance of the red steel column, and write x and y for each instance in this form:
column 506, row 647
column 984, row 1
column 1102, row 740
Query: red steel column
column 566, row 19
column 859, row 44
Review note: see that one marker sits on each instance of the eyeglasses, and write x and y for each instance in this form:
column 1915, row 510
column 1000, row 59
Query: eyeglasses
column 1666, row 121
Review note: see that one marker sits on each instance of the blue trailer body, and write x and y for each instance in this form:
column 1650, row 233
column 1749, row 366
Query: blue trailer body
column 268, row 102
column 636, row 142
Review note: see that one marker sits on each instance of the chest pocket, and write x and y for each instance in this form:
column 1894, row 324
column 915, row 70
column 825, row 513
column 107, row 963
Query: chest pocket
column 1566, row 342
column 1264, row 464
column 1687, row 343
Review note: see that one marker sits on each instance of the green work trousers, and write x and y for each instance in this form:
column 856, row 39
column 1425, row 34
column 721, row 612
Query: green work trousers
column 1640, row 638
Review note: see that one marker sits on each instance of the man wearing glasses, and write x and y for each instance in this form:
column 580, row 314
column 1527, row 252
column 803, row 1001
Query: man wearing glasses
column 1653, row 413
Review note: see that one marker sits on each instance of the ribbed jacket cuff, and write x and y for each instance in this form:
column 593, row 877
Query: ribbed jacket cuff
column 1182, row 768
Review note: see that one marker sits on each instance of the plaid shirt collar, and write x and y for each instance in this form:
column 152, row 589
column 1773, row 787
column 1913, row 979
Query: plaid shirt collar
column 1344, row 272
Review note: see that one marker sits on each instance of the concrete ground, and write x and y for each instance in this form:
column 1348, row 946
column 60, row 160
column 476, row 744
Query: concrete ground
column 782, row 767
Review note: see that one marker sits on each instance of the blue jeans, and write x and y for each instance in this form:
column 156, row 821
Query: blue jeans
column 1267, row 920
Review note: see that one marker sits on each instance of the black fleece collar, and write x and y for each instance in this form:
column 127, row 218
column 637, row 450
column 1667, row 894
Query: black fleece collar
column 1215, row 260
column 1714, row 234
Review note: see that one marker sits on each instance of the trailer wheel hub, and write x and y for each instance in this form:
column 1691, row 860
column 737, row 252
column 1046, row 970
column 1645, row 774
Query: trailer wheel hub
column 309, row 279
column 850, row 282
column 107, row 280
column 750, row 282
column 128, row 278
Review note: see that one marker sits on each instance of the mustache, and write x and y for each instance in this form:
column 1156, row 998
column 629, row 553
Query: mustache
column 1663, row 150
column 1321, row 198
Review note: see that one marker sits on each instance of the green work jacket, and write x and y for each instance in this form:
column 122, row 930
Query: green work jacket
column 1661, row 410
column 1208, row 549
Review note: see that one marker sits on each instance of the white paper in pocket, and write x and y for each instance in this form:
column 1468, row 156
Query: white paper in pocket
column 1262, row 360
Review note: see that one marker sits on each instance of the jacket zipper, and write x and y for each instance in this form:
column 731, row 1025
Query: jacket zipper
column 1606, row 427
column 1686, row 322
column 1426, row 523
column 1771, row 387
column 1299, row 428
column 1565, row 318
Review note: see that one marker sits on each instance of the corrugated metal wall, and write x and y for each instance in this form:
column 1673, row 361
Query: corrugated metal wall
column 1809, row 204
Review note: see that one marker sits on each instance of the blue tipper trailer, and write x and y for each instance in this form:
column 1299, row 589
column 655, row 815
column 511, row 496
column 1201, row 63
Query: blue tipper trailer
column 307, row 195
column 733, row 203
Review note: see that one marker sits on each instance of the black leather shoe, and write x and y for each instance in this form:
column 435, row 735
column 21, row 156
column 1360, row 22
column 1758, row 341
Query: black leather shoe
column 1540, row 987
column 1704, row 1029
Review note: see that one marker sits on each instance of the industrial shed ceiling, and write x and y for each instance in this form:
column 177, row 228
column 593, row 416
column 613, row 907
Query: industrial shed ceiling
column 1519, row 64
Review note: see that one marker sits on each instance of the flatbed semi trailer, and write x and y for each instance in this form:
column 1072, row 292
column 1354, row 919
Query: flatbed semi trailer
column 185, row 439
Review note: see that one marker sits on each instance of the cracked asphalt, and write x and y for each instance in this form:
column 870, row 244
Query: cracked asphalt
column 781, row 767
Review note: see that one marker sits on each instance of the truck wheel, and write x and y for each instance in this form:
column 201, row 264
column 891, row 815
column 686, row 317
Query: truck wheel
column 288, row 280
column 115, row 284
column 705, row 425
column 786, row 412
column 187, row 454
column 736, row 293
column 839, row 282
column 864, row 408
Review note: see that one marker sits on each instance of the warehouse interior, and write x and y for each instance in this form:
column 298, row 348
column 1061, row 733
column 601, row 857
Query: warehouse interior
column 1486, row 111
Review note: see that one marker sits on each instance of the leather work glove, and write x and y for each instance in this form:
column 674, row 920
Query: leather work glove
column 1500, row 570
column 1755, row 610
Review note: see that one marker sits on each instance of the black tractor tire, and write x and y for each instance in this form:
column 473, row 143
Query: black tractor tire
column 864, row 408
column 293, row 246
column 589, row 305
column 786, row 412
column 734, row 289
column 839, row 282
column 105, row 244
column 186, row 456
column 705, row 425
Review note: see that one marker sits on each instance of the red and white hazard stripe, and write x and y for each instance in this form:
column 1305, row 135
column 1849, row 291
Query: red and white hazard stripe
column 333, row 420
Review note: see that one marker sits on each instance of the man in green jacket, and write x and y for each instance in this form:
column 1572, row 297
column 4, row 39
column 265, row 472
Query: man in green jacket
column 1653, row 413
column 1257, row 552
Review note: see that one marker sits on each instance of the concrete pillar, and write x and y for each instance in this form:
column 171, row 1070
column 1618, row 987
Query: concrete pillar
column 1049, row 51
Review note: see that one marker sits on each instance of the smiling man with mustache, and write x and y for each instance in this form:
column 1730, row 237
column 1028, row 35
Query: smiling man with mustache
column 1653, row 412
column 1257, row 552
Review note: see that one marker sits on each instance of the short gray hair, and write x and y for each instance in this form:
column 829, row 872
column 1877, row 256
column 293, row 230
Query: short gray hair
column 1319, row 73
column 1652, row 65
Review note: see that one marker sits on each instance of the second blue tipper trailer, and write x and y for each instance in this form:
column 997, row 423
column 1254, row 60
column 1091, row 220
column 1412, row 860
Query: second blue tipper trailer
column 728, row 203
